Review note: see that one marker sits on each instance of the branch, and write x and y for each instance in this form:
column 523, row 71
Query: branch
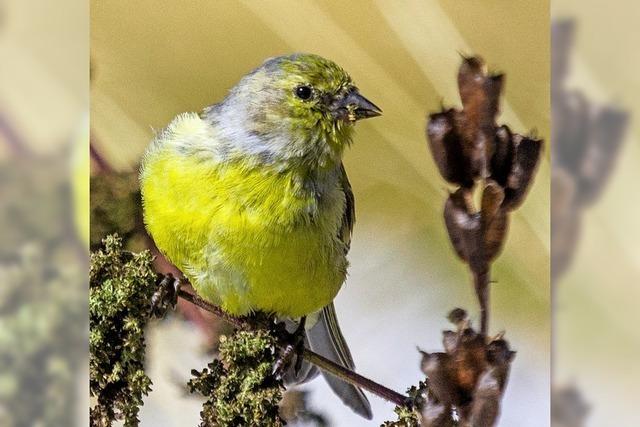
column 321, row 362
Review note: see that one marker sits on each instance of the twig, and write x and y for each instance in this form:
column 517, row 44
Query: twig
column 239, row 322
column 101, row 163
column 321, row 362
column 481, row 284
column 356, row 379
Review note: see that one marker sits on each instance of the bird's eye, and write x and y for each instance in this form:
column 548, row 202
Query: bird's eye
column 304, row 92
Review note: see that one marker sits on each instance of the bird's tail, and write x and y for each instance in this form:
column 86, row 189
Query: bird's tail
column 326, row 339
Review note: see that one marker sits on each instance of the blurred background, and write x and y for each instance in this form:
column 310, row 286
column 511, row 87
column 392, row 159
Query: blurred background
column 595, row 211
column 154, row 59
column 44, row 201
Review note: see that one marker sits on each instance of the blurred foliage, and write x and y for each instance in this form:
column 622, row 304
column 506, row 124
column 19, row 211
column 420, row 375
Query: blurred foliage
column 121, row 286
column 42, row 294
column 43, row 264
column 239, row 385
column 42, row 324
column 116, row 207
column 35, row 202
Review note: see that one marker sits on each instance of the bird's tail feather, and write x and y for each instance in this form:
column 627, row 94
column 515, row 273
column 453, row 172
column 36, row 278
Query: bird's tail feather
column 325, row 338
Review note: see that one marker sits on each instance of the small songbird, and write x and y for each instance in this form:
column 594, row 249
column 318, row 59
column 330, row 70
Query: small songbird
column 251, row 201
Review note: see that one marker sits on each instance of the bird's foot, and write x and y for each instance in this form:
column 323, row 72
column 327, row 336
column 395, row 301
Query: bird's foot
column 166, row 296
column 293, row 347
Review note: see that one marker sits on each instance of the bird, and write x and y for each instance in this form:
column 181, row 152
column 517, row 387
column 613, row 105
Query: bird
column 250, row 200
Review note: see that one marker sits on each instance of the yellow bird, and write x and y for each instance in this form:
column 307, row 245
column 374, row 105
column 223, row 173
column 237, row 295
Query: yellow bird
column 250, row 200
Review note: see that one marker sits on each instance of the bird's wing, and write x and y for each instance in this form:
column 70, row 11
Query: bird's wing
column 349, row 216
column 325, row 336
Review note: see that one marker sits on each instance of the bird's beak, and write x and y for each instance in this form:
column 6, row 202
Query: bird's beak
column 353, row 106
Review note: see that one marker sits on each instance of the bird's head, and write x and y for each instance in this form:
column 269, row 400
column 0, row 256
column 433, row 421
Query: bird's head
column 300, row 106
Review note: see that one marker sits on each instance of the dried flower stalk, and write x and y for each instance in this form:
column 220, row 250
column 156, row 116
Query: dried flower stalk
column 471, row 151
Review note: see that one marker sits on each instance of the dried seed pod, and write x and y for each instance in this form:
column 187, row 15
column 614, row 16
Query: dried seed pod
column 486, row 404
column 499, row 354
column 492, row 198
column 503, row 155
column 527, row 154
column 494, row 223
column 562, row 35
column 458, row 316
column 445, row 144
column 436, row 414
column 463, row 226
column 437, row 367
column 467, row 145
column 477, row 237
column 469, row 360
column 449, row 341
column 480, row 96
column 470, row 377
column 491, row 384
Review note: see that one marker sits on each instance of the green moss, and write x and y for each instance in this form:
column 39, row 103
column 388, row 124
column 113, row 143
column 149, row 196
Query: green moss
column 407, row 416
column 121, row 286
column 238, row 386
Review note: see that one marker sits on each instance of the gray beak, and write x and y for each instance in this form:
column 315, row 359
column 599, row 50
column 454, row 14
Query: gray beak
column 354, row 106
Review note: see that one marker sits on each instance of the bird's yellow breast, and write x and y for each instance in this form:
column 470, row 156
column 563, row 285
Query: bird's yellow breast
column 247, row 238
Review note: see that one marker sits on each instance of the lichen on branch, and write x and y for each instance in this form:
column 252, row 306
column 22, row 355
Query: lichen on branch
column 120, row 287
column 238, row 386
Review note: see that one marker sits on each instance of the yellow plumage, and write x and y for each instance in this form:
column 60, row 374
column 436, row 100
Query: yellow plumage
column 248, row 238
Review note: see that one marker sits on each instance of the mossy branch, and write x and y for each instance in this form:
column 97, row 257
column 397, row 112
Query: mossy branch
column 239, row 387
column 321, row 362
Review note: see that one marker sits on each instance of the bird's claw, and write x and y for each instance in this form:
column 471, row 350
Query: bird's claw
column 294, row 347
column 166, row 296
